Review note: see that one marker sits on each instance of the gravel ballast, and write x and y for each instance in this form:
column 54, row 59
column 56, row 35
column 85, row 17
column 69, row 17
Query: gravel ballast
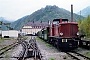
column 50, row 52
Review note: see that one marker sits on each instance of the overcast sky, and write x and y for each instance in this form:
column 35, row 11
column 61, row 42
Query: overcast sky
column 15, row 9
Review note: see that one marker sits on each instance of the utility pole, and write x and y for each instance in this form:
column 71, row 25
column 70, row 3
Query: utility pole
column 80, row 14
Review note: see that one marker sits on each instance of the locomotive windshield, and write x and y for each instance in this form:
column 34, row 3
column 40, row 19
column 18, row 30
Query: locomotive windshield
column 55, row 22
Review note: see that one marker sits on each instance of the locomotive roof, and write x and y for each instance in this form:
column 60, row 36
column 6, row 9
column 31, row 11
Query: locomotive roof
column 69, row 23
column 59, row 20
column 65, row 21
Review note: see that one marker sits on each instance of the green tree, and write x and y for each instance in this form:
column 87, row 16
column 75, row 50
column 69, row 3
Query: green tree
column 87, row 26
column 84, row 26
column 81, row 26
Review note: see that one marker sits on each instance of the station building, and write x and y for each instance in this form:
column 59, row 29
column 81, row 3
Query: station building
column 31, row 28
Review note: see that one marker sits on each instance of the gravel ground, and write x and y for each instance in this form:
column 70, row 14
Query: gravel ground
column 4, row 43
column 48, row 52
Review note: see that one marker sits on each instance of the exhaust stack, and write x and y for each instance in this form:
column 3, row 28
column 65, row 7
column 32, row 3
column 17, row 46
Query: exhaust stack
column 71, row 13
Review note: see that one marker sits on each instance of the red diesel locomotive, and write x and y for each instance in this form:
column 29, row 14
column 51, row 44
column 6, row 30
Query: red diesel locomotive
column 63, row 34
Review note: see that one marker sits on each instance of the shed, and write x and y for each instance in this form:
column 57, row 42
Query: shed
column 10, row 33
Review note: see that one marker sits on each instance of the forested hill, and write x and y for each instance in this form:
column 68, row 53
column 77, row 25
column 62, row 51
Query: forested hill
column 4, row 21
column 45, row 14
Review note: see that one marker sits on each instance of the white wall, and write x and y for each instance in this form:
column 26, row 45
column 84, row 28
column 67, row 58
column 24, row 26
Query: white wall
column 10, row 33
column 30, row 31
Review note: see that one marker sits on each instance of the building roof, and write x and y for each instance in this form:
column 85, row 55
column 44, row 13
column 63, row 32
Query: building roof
column 37, row 24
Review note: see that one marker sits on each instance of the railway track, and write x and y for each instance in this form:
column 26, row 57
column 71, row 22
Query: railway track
column 77, row 56
column 30, row 50
column 5, row 49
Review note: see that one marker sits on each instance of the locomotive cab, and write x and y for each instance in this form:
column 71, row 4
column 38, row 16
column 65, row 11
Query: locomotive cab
column 55, row 27
column 63, row 28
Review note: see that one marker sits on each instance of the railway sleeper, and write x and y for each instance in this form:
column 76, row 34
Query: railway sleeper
column 32, row 53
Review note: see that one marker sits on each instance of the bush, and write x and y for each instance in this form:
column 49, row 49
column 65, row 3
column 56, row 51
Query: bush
column 52, row 59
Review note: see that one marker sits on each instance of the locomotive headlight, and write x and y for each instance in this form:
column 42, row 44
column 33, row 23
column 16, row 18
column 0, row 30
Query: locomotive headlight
column 64, row 40
column 77, row 33
column 61, row 33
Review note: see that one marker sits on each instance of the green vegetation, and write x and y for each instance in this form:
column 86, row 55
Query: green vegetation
column 65, row 57
column 37, row 38
column 84, row 26
column 1, row 39
column 48, row 45
column 6, row 55
column 51, row 59
column 88, row 54
column 5, row 49
column 24, row 37
column 78, row 49
column 6, row 38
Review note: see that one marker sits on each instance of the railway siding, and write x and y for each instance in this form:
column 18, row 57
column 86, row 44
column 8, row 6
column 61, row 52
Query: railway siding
column 77, row 56
column 6, row 48
column 85, row 43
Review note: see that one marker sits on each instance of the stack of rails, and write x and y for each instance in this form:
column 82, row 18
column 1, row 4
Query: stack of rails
column 30, row 50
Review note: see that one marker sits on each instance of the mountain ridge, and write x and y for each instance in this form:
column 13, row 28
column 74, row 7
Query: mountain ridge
column 84, row 12
column 45, row 14
column 3, row 19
